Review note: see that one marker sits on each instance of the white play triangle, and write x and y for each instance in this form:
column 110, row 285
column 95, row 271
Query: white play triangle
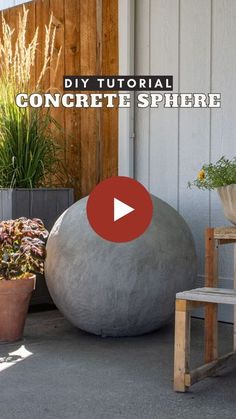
column 121, row 209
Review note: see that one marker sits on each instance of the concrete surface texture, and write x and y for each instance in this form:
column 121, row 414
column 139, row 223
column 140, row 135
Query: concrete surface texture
column 59, row 372
column 119, row 289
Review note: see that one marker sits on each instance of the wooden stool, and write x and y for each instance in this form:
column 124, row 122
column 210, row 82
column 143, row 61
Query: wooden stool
column 208, row 297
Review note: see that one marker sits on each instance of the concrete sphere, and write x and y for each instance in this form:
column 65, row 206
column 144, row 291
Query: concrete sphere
column 119, row 289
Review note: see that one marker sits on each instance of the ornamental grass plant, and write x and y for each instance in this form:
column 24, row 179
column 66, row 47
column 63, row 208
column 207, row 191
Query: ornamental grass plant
column 28, row 152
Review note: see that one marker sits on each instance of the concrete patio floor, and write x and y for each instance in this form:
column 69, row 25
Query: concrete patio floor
column 64, row 373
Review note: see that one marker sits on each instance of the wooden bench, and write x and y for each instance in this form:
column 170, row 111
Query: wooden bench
column 208, row 297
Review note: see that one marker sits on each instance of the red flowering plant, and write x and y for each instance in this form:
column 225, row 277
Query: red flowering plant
column 22, row 248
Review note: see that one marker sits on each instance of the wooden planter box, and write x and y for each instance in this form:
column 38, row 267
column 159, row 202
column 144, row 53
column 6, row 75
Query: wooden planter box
column 47, row 204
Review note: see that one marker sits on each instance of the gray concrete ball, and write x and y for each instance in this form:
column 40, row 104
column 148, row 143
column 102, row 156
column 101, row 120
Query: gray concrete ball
column 119, row 289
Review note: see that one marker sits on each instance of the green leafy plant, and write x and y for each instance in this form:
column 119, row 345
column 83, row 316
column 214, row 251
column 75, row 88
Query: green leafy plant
column 212, row 176
column 22, row 248
column 28, row 152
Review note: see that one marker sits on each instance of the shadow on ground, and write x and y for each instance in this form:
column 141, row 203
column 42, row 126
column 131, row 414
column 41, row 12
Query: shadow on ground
column 60, row 372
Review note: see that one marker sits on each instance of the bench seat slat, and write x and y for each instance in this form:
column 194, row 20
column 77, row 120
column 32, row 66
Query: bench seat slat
column 225, row 233
column 209, row 295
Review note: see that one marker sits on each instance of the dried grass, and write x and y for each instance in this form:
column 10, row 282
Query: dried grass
column 18, row 59
column 28, row 152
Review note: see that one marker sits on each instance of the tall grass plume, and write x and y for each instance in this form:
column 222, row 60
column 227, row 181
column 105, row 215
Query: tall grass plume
column 28, row 152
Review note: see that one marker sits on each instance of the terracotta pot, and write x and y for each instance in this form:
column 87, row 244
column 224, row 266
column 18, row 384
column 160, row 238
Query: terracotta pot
column 14, row 303
column 228, row 198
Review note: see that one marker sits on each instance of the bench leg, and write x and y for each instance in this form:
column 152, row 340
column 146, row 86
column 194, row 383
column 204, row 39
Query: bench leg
column 182, row 344
column 211, row 332
column 211, row 267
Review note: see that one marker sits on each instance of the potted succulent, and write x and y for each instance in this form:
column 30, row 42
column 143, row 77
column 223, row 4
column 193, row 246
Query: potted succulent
column 22, row 255
column 222, row 177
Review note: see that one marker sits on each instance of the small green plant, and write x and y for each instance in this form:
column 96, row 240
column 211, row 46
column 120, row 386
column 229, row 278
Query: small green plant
column 22, row 248
column 28, row 152
column 212, row 176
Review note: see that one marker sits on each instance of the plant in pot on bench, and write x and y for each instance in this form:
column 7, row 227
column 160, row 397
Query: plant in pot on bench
column 222, row 177
column 22, row 255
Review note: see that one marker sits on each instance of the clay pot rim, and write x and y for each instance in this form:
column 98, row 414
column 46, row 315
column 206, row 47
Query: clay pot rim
column 20, row 285
column 28, row 276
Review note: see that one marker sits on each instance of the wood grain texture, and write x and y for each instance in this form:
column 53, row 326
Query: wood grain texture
column 58, row 70
column 182, row 345
column 87, row 33
column 209, row 295
column 211, row 280
column 73, row 116
column 209, row 369
column 29, row 36
column 225, row 233
column 42, row 17
column 88, row 63
column 109, row 66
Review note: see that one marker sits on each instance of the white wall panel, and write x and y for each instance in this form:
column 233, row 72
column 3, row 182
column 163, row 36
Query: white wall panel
column 194, row 124
column 154, row 166
column 194, row 41
column 223, row 141
column 142, row 116
column 223, row 122
column 164, row 40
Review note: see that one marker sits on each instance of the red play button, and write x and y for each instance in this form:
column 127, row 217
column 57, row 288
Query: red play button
column 119, row 209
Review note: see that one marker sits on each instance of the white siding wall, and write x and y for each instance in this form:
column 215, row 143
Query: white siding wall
column 194, row 41
column 4, row 4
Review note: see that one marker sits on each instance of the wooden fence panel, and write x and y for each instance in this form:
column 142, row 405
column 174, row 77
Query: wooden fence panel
column 87, row 33
column 109, row 120
column 42, row 17
column 58, row 68
column 29, row 35
column 88, row 61
column 73, row 115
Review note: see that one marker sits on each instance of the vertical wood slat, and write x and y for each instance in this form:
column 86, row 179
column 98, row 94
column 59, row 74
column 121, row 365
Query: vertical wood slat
column 99, row 49
column 5, row 14
column 13, row 17
column 88, row 126
column 29, row 35
column 182, row 344
column 87, row 31
column 42, row 17
column 72, row 116
column 109, row 117
column 1, row 25
column 58, row 70
column 211, row 272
